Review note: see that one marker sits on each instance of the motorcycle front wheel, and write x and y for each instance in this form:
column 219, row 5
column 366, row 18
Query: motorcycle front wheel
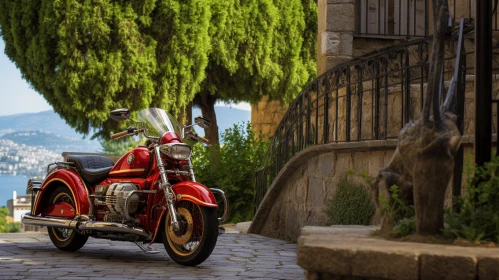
column 194, row 241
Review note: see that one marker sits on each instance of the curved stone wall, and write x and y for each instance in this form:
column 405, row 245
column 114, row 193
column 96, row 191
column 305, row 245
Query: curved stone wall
column 300, row 193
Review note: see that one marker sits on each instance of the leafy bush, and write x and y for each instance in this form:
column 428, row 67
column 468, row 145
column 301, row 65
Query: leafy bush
column 233, row 170
column 478, row 216
column 405, row 226
column 395, row 210
column 351, row 205
column 4, row 225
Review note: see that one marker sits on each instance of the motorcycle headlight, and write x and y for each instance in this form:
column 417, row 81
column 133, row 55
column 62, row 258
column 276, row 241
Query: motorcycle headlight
column 176, row 151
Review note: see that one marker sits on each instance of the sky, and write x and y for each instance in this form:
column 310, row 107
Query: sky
column 18, row 96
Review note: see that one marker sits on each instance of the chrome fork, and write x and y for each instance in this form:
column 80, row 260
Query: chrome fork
column 167, row 189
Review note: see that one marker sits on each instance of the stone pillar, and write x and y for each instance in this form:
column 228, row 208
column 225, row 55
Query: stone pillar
column 336, row 26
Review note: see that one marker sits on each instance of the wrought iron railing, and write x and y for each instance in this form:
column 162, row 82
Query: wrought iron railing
column 368, row 98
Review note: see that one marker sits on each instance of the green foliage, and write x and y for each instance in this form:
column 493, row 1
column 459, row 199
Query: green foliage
column 234, row 170
column 6, row 227
column 395, row 209
column 89, row 57
column 478, row 216
column 351, row 205
column 118, row 147
column 405, row 226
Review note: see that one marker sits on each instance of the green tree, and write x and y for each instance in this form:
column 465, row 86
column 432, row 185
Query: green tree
column 89, row 57
column 261, row 47
column 117, row 147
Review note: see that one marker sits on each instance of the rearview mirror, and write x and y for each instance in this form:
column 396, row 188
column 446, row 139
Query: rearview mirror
column 203, row 122
column 120, row 114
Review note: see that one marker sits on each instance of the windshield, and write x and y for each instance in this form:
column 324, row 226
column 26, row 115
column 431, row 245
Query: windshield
column 158, row 122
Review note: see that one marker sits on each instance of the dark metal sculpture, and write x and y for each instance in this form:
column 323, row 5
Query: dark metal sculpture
column 423, row 163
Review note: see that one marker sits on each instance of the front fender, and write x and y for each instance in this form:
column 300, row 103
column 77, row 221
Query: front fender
column 70, row 179
column 196, row 193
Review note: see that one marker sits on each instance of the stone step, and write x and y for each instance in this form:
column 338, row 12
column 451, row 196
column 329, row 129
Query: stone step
column 349, row 253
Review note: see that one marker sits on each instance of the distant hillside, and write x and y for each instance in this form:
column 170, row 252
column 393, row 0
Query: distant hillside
column 47, row 121
column 52, row 142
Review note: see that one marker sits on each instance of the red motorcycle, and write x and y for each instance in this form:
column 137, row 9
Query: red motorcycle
column 149, row 195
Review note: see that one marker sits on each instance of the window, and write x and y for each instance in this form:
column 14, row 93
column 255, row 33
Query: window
column 390, row 18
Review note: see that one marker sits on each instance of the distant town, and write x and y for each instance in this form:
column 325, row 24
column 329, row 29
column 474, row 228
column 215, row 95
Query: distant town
column 22, row 160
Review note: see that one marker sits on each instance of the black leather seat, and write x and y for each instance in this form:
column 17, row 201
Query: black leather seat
column 93, row 169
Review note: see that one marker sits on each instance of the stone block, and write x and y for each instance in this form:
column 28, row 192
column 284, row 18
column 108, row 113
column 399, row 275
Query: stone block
column 376, row 159
column 340, row 17
column 312, row 166
column 330, row 43
column 315, row 193
column 343, row 163
column 325, row 165
column 330, row 186
column 386, row 264
column 361, row 161
column 347, row 43
column 311, row 256
column 488, row 268
column 455, row 267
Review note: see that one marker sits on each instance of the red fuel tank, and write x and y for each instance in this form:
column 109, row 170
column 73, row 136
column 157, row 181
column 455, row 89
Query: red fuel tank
column 133, row 164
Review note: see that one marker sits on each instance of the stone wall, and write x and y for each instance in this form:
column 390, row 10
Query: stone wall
column 266, row 115
column 301, row 193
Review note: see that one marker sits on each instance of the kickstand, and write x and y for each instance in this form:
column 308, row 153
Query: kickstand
column 147, row 250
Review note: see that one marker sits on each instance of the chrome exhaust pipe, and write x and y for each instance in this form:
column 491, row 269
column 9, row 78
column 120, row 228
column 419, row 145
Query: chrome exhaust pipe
column 75, row 223
column 112, row 227
column 29, row 219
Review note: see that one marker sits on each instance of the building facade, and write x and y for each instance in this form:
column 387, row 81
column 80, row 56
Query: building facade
column 18, row 206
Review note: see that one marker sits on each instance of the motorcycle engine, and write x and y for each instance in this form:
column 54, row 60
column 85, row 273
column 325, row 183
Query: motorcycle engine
column 115, row 198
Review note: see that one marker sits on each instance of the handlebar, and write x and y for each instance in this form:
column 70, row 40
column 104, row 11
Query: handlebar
column 194, row 136
column 119, row 134
column 202, row 139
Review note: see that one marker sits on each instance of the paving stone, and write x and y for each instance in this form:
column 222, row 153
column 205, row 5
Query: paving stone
column 236, row 256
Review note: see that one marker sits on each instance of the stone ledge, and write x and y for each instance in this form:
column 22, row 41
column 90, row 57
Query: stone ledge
column 359, row 256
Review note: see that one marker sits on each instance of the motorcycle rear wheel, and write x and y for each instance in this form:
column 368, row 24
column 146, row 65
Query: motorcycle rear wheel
column 193, row 243
column 65, row 239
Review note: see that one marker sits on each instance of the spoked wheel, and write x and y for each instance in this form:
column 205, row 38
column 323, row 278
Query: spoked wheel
column 194, row 241
column 63, row 238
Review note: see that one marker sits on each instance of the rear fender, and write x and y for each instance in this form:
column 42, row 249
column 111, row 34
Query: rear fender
column 196, row 193
column 72, row 181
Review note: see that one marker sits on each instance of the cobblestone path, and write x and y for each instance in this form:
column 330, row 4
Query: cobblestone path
column 236, row 256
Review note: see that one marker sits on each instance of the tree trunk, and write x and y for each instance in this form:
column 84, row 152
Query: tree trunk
column 207, row 106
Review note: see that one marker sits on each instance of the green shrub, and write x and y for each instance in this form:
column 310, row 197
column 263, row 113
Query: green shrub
column 6, row 227
column 405, row 226
column 351, row 205
column 234, row 170
column 478, row 216
column 395, row 209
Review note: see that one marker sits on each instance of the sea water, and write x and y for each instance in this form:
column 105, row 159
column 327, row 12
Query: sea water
column 9, row 184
